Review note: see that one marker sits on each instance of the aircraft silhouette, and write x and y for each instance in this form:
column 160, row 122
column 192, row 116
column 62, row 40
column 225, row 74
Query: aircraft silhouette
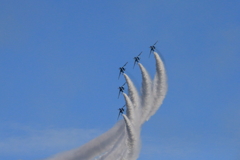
column 121, row 110
column 121, row 89
column 152, row 48
column 136, row 59
column 122, row 69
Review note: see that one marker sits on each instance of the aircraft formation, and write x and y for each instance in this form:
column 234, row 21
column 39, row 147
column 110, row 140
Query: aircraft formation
column 122, row 70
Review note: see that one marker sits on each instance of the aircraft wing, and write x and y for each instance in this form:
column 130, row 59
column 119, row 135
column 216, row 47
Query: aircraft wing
column 139, row 54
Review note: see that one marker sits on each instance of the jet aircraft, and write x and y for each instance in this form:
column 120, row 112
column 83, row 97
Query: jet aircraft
column 152, row 48
column 121, row 110
column 122, row 69
column 136, row 59
column 121, row 89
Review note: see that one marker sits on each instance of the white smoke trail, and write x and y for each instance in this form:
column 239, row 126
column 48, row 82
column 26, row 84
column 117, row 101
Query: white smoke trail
column 146, row 93
column 160, row 85
column 129, row 119
column 130, row 108
column 122, row 142
column 134, row 97
column 133, row 127
column 132, row 91
column 117, row 149
column 132, row 141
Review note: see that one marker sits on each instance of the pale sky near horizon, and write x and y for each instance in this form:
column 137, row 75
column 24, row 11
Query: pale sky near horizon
column 59, row 65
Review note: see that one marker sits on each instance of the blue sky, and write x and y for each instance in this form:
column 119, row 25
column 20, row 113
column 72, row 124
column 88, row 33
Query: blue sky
column 59, row 65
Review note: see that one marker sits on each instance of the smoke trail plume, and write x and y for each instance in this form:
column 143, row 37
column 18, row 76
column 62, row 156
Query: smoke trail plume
column 132, row 141
column 117, row 149
column 130, row 108
column 146, row 93
column 131, row 135
column 160, row 85
column 132, row 91
column 122, row 142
